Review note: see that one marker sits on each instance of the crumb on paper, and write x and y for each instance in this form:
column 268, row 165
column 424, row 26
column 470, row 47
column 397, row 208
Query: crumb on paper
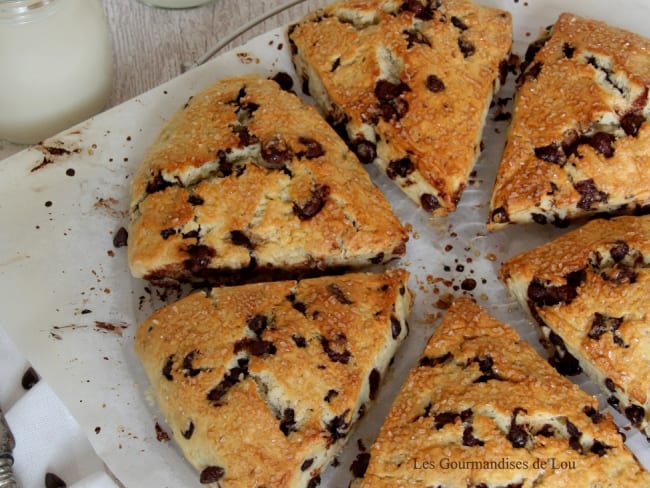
column 247, row 58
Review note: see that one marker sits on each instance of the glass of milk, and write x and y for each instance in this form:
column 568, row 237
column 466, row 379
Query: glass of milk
column 175, row 3
column 56, row 62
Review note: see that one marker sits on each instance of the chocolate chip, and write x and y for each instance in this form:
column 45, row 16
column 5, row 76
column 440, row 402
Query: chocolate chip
column 314, row 482
column 195, row 200
column 568, row 50
column 189, row 431
column 360, row 465
column 314, row 148
column 167, row 368
column 299, row 340
column 225, row 166
column 598, row 327
column 199, row 257
column 331, row 395
column 574, row 437
column 377, row 259
column 188, row 369
column 432, row 362
column 435, row 84
column 549, row 295
column 592, row 413
column 300, row 307
column 614, row 402
column 469, row 439
column 255, row 347
column 239, row 238
column 421, row 11
column 156, row 184
column 276, row 152
column 500, row 216
column 443, row 418
column 610, row 385
column 589, row 194
column 230, row 379
column 29, row 379
column 120, row 238
column 631, row 123
column 599, row 448
column 337, row 427
column 395, row 327
column 257, row 324
column 373, row 381
column 400, row 168
column 284, row 80
column 468, row 284
column 288, row 421
column 546, row 430
column 551, row 153
column 54, row 481
column 486, row 364
column 466, row 47
column 561, row 360
column 533, row 72
column 306, row 464
column 635, row 414
column 620, row 274
column 390, row 103
column 619, row 250
column 429, row 202
column 458, row 23
column 604, row 323
column 414, row 36
column 314, row 204
column 603, row 143
column 167, row 233
column 337, row 293
column 517, row 434
column 365, row 150
column 335, row 349
column 246, row 137
column 211, row 474
column 161, row 435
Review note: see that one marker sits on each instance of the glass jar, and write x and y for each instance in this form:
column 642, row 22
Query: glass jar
column 56, row 61
column 175, row 3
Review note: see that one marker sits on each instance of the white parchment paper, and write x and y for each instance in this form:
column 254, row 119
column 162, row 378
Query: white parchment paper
column 69, row 303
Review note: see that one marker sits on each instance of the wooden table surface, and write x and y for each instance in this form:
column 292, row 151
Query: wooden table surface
column 151, row 45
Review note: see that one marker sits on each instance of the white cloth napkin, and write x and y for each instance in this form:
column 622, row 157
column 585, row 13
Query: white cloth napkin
column 48, row 438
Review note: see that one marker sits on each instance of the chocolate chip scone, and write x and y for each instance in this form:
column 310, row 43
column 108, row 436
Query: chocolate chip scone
column 587, row 290
column 578, row 143
column 483, row 409
column 247, row 179
column 262, row 383
column 408, row 84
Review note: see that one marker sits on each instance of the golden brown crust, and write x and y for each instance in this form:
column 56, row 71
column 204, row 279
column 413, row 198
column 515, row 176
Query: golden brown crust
column 482, row 408
column 410, row 81
column 261, row 383
column 578, row 142
column 248, row 177
column 589, row 289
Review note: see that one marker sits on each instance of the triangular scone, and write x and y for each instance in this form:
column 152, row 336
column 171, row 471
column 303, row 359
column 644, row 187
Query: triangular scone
column 588, row 291
column 578, row 143
column 483, row 409
column 261, row 383
column 245, row 179
column 408, row 84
